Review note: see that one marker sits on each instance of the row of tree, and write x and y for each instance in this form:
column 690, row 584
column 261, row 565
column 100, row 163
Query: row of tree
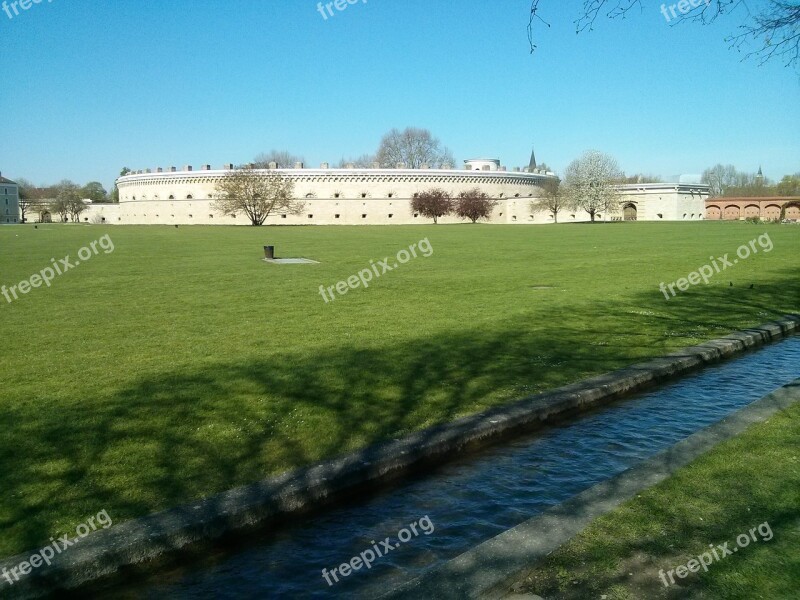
column 589, row 185
column 727, row 181
column 436, row 203
column 65, row 199
column 258, row 194
column 412, row 147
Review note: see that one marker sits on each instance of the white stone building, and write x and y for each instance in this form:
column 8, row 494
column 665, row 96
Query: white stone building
column 376, row 196
column 9, row 201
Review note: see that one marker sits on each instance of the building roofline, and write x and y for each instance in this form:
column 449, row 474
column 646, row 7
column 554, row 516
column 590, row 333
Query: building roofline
column 342, row 173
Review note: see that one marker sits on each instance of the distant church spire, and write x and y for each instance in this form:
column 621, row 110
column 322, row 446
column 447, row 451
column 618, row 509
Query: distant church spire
column 760, row 176
column 532, row 164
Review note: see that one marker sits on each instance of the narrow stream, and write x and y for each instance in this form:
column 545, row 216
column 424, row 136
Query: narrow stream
column 479, row 496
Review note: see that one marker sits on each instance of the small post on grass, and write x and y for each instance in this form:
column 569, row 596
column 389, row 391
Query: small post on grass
column 269, row 252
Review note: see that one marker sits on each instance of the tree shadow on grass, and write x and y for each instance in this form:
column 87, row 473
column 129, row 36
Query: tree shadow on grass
column 167, row 440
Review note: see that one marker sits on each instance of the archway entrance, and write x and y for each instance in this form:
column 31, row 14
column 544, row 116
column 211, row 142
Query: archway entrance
column 629, row 212
column 791, row 211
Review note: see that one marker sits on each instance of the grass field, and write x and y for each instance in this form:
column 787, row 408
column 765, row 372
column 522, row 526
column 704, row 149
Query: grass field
column 181, row 365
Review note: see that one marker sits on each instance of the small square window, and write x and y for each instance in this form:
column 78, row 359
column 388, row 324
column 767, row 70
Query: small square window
column 363, row 216
column 336, row 216
column 390, row 216
column 283, row 216
column 310, row 216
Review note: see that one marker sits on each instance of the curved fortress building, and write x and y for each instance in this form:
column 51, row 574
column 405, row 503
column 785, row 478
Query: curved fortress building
column 375, row 196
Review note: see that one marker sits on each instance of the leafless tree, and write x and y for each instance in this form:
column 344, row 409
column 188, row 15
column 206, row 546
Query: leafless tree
column 590, row 180
column 414, row 148
column 474, row 205
column 721, row 178
column 364, row 161
column 773, row 30
column 68, row 202
column 29, row 198
column 553, row 199
column 432, row 203
column 284, row 159
column 257, row 193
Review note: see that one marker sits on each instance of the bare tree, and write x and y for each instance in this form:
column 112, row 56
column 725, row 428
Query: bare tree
column 76, row 207
column 29, row 198
column 474, row 205
column 364, row 161
column 68, row 202
column 773, row 29
column 432, row 203
column 591, row 182
column 414, row 148
column 284, row 159
column 640, row 178
column 776, row 29
column 722, row 178
column 553, row 199
column 257, row 193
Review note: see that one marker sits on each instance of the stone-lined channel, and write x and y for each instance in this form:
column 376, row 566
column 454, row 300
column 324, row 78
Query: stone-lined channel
column 481, row 495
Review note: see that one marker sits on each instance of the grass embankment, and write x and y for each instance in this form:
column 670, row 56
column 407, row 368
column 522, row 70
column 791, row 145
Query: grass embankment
column 181, row 365
column 744, row 483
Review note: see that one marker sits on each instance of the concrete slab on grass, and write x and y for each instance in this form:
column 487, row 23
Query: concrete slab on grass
column 291, row 261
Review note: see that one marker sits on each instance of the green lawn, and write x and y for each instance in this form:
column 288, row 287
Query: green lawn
column 741, row 484
column 181, row 365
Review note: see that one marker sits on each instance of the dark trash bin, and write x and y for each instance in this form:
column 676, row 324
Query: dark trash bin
column 269, row 252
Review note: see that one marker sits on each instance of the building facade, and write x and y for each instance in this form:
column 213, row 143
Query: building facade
column 378, row 196
column 768, row 208
column 9, row 201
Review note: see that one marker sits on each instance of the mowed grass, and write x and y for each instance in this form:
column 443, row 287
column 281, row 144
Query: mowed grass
column 181, row 364
column 741, row 484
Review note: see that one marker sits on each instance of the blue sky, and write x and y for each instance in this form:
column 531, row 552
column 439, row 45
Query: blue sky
column 90, row 86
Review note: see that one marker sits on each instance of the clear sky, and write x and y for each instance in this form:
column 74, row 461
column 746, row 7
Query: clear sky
column 90, row 86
